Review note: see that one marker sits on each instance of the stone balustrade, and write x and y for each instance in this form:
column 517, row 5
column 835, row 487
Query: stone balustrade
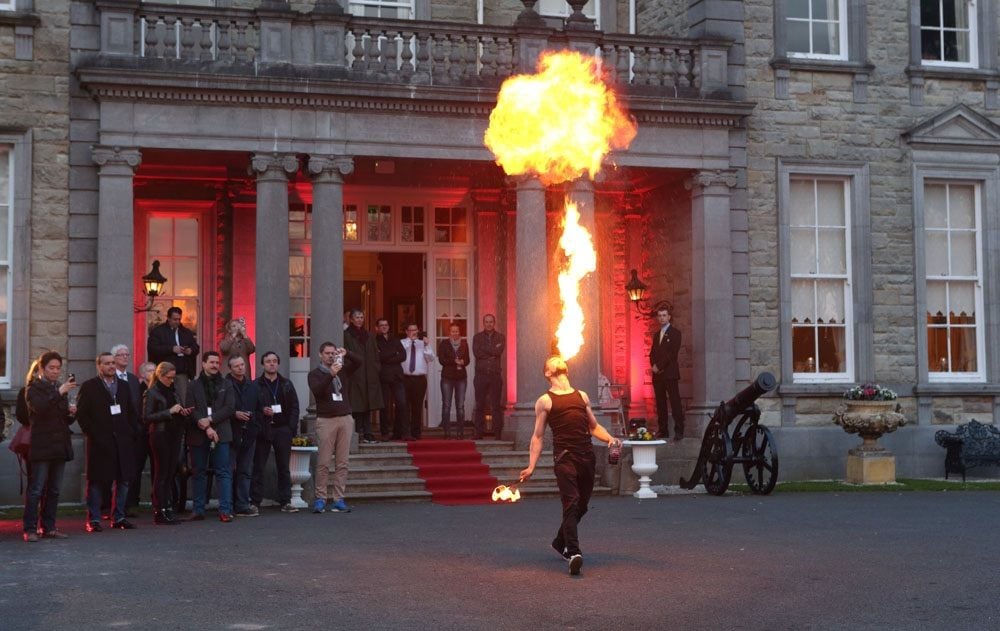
column 398, row 51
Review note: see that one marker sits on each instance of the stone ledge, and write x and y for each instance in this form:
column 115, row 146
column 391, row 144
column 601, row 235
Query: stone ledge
column 19, row 18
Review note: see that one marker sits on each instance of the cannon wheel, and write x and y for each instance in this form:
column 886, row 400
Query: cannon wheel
column 761, row 470
column 718, row 468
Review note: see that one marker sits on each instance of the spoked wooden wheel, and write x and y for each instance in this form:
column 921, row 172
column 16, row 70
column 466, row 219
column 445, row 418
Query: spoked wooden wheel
column 718, row 466
column 761, row 467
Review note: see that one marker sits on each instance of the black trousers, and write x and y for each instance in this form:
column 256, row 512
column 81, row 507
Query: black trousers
column 667, row 389
column 280, row 440
column 395, row 415
column 489, row 396
column 363, row 423
column 575, row 477
column 164, row 445
column 416, row 391
column 142, row 454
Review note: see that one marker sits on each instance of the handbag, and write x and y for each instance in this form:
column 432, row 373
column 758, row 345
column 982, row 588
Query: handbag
column 20, row 444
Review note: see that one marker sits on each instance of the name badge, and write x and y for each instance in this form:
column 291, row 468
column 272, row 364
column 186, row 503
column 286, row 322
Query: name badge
column 116, row 409
column 209, row 411
column 338, row 397
column 276, row 408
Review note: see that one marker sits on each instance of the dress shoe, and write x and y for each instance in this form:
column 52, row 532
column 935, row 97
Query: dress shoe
column 93, row 526
column 124, row 525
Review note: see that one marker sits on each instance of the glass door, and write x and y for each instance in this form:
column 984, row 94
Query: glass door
column 451, row 304
column 175, row 241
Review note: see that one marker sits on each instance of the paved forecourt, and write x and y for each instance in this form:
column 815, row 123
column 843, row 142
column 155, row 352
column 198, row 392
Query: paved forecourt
column 790, row 561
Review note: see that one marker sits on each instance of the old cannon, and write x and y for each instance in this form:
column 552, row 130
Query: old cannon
column 750, row 444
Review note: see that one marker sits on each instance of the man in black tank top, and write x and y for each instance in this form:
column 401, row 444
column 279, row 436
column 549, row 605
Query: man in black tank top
column 567, row 411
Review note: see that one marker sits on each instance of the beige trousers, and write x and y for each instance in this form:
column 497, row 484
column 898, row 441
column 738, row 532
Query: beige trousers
column 333, row 434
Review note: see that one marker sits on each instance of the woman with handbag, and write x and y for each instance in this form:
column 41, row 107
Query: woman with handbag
column 166, row 417
column 20, row 444
column 49, row 417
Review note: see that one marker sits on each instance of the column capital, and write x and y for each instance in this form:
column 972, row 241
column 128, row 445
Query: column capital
column 107, row 156
column 330, row 168
column 711, row 177
column 274, row 164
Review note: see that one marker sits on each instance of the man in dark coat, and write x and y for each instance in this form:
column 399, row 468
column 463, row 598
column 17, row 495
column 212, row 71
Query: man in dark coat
column 209, row 435
column 107, row 417
column 365, row 390
column 173, row 342
column 123, row 360
column 391, row 355
column 666, row 343
column 246, row 425
column 488, row 346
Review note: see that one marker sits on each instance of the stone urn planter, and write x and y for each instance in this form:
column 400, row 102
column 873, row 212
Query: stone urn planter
column 644, row 464
column 869, row 462
column 298, row 466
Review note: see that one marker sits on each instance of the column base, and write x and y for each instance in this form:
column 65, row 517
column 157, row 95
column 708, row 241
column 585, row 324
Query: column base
column 867, row 467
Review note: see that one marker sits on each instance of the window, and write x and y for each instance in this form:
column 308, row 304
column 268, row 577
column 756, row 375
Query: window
column 413, row 224
column 952, row 266
column 379, row 223
column 299, row 221
column 451, row 279
column 561, row 8
column 175, row 242
column 401, row 9
column 948, row 33
column 351, row 232
column 7, row 5
column 299, row 283
column 450, row 225
column 6, row 244
column 822, row 338
column 816, row 29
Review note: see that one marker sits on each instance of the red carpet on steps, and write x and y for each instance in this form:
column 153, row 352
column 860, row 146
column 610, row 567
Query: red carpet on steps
column 453, row 471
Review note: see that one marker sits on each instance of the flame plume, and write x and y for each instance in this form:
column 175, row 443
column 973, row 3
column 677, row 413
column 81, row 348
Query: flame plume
column 581, row 259
column 557, row 124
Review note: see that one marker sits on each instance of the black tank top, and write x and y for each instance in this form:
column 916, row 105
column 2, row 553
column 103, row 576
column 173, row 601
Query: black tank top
column 570, row 424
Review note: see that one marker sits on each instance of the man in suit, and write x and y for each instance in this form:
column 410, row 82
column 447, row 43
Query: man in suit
column 366, row 391
column 173, row 342
column 488, row 346
column 391, row 355
column 663, row 359
column 419, row 355
column 140, row 448
column 106, row 416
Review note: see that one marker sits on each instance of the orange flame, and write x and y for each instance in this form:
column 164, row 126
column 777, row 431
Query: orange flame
column 504, row 493
column 559, row 123
column 581, row 259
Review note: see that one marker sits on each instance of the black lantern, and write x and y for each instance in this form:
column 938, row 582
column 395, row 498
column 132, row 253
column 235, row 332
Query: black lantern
column 152, row 286
column 636, row 290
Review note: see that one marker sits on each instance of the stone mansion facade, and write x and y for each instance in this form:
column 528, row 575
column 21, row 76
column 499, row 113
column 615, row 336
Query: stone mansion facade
column 814, row 185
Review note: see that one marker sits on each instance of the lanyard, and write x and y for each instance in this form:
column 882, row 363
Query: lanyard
column 274, row 390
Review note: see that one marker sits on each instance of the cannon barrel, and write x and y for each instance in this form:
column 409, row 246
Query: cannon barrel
column 764, row 383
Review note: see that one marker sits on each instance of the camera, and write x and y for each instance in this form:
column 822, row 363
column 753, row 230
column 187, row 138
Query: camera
column 71, row 377
column 422, row 335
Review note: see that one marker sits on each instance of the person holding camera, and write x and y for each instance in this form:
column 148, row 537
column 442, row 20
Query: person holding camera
column 419, row 356
column 49, row 417
column 237, row 344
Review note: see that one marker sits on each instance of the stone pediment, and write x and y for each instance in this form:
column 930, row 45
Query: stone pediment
column 958, row 127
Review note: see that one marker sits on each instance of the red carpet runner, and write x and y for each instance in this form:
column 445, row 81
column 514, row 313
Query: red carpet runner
column 453, row 471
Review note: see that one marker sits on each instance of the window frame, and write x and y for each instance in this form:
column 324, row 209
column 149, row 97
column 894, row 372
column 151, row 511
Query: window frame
column 858, row 302
column 843, row 39
column 854, row 29
column 384, row 4
column 973, row 8
column 988, row 179
column 19, row 245
column 985, row 49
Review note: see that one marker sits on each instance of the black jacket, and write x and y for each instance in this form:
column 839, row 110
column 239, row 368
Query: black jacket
column 110, row 437
column 159, row 348
column 283, row 393
column 488, row 348
column 156, row 405
column 391, row 356
column 664, row 354
column 245, row 397
column 49, row 419
column 447, row 357
column 222, row 411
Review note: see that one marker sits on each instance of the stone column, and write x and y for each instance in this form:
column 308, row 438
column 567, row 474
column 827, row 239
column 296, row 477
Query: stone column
column 712, row 314
column 534, row 327
column 584, row 368
column 327, row 290
column 116, row 279
column 272, row 302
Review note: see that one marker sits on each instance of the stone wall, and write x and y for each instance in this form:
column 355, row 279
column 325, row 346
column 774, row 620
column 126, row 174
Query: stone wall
column 822, row 121
column 660, row 17
column 34, row 97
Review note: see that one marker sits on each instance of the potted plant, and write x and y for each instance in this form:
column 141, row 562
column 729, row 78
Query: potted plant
column 643, row 445
column 870, row 410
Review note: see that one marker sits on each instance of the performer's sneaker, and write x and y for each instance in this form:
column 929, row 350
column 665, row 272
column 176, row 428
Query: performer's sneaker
column 575, row 563
column 560, row 550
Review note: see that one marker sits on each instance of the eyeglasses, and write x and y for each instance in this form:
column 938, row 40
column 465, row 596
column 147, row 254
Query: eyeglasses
column 123, row 354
